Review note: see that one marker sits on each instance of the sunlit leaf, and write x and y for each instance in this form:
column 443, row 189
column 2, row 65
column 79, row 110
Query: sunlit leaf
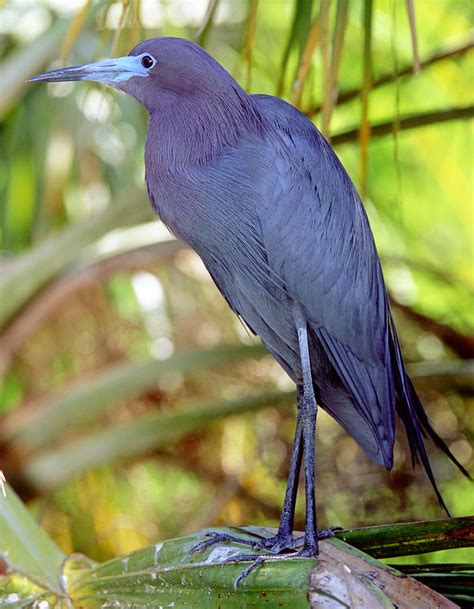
column 19, row 592
column 203, row 31
column 312, row 40
column 347, row 95
column 297, row 37
column 365, row 128
column 413, row 537
column 33, row 269
column 25, row 547
column 23, row 63
column 250, row 40
column 331, row 72
column 324, row 13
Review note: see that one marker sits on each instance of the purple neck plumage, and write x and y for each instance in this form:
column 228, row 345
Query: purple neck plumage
column 192, row 129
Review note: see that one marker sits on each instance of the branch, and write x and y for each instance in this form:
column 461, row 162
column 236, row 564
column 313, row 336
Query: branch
column 441, row 275
column 389, row 77
column 457, row 374
column 410, row 121
column 51, row 297
column 462, row 345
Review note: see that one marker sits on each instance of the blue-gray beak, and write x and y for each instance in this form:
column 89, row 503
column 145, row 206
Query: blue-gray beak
column 108, row 71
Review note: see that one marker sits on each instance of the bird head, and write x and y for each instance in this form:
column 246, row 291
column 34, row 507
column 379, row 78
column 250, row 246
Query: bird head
column 155, row 70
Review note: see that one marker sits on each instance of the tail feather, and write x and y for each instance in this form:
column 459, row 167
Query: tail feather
column 416, row 422
column 429, row 431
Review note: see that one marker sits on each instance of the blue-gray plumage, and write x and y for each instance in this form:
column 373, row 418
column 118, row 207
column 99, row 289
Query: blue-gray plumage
column 252, row 186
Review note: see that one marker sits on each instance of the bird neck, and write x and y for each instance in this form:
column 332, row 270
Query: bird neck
column 193, row 131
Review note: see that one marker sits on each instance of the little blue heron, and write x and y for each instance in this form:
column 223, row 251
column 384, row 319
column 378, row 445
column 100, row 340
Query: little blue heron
column 254, row 188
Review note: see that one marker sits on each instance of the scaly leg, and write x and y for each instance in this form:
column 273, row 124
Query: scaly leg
column 304, row 444
column 308, row 410
column 284, row 538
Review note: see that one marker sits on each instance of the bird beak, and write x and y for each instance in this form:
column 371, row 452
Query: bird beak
column 108, row 71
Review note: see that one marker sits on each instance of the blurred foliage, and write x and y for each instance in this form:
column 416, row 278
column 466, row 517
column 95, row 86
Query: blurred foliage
column 90, row 285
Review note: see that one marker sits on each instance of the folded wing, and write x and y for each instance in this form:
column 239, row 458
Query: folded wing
column 318, row 241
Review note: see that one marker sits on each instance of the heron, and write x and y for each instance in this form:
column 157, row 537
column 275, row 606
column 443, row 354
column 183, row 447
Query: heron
column 251, row 185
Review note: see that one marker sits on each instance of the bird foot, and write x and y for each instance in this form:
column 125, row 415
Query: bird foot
column 279, row 547
column 258, row 559
column 281, row 542
column 274, row 545
column 286, row 541
column 216, row 538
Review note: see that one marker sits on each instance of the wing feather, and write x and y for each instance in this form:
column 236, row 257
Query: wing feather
column 318, row 241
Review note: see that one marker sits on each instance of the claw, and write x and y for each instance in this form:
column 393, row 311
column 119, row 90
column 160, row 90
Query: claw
column 279, row 547
column 328, row 533
column 275, row 544
column 216, row 538
column 243, row 574
column 257, row 560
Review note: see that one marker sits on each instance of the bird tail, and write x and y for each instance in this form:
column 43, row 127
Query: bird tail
column 416, row 421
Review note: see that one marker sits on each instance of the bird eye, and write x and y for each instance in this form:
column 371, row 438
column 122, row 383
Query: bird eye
column 148, row 61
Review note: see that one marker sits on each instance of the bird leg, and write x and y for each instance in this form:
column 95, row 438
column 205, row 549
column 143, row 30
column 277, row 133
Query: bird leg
column 307, row 411
column 283, row 544
column 283, row 540
column 304, row 443
column 284, row 537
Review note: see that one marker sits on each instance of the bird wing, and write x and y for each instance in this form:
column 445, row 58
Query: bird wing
column 318, row 241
